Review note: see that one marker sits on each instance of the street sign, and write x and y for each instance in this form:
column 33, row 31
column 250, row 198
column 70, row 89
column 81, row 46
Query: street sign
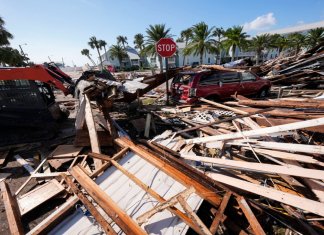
column 166, row 47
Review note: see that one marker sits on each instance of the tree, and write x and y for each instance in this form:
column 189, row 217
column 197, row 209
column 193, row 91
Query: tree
column 122, row 40
column 139, row 42
column 235, row 37
column 11, row 56
column 219, row 34
column 86, row 52
column 296, row 41
column 4, row 34
column 260, row 43
column 201, row 41
column 154, row 34
column 186, row 35
column 103, row 44
column 94, row 44
column 278, row 41
column 119, row 52
column 314, row 37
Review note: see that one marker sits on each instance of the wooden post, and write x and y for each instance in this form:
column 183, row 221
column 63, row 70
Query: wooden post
column 147, row 125
column 220, row 212
column 124, row 221
column 12, row 210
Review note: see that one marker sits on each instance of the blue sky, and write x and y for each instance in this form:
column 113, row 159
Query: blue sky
column 59, row 28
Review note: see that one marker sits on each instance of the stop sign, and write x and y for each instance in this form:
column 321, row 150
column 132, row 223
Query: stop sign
column 166, row 47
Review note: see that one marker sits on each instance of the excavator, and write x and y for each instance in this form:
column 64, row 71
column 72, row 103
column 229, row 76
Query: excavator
column 27, row 101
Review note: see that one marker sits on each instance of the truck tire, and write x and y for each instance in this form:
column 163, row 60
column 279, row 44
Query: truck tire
column 264, row 92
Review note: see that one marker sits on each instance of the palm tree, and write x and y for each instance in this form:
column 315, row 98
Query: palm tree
column 235, row 37
column 103, row 44
column 296, row 41
column 201, row 41
column 278, row 41
column 122, row 40
column 314, row 37
column 139, row 42
column 119, row 52
column 86, row 52
column 4, row 34
column 260, row 43
column 219, row 33
column 94, row 43
column 11, row 56
column 186, row 35
column 154, row 34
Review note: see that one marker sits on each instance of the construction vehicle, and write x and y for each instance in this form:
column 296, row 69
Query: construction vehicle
column 27, row 101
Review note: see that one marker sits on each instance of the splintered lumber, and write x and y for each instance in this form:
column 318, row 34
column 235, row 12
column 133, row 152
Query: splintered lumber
column 94, row 141
column 220, row 212
column 223, row 106
column 124, row 221
column 258, row 132
column 92, row 209
column 260, row 167
column 150, row 191
column 203, row 229
column 55, row 218
column 24, row 163
column 286, row 198
column 256, row 227
column 283, row 103
column 204, row 192
column 12, row 210
column 39, row 195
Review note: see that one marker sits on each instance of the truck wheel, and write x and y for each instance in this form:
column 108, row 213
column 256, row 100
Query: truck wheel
column 263, row 93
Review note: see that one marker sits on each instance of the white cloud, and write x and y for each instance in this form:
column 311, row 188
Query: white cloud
column 300, row 22
column 261, row 22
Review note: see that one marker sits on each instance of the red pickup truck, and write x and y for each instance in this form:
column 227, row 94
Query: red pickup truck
column 187, row 87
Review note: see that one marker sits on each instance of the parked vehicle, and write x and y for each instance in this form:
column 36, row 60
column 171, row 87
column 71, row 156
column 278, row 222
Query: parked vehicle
column 187, row 87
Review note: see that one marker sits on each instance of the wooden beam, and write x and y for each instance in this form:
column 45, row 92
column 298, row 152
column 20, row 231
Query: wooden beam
column 147, row 189
column 258, row 132
column 315, row 104
column 92, row 209
column 223, row 106
column 259, row 167
column 203, row 229
column 204, row 192
column 12, row 210
column 220, row 212
column 256, row 227
column 124, row 221
column 147, row 125
column 286, row 198
column 94, row 141
column 24, row 163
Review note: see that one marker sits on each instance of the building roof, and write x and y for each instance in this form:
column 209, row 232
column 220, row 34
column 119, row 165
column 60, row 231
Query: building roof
column 296, row 29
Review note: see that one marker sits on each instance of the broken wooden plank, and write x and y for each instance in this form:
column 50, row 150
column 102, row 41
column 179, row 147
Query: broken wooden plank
column 286, row 198
column 220, row 212
column 203, row 229
column 12, row 210
column 259, row 167
column 147, row 189
column 63, row 154
column 203, row 191
column 256, row 227
column 24, row 163
column 124, row 221
column 39, row 195
column 148, row 125
column 94, row 141
column 223, row 106
column 56, row 217
column 314, row 104
column 92, row 209
column 258, row 132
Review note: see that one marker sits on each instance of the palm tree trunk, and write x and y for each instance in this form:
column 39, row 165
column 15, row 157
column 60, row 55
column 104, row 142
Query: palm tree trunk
column 161, row 64
column 91, row 60
column 233, row 52
column 201, row 58
column 257, row 57
column 184, row 59
column 100, row 58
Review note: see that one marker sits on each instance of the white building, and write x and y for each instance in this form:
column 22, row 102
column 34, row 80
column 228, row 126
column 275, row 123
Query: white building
column 133, row 59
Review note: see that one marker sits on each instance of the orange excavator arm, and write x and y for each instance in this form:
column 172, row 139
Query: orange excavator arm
column 48, row 74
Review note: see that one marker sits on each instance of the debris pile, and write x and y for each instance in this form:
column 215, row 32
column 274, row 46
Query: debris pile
column 306, row 69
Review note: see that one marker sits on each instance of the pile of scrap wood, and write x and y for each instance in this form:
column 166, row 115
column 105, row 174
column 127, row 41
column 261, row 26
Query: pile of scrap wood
column 305, row 68
column 272, row 157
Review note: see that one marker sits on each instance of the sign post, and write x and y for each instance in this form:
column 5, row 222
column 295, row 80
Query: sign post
column 166, row 48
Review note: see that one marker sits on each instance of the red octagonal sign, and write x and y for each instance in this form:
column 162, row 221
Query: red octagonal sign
column 166, row 47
